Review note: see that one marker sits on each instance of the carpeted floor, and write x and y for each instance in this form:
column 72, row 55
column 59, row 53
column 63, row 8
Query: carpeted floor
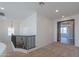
column 52, row 50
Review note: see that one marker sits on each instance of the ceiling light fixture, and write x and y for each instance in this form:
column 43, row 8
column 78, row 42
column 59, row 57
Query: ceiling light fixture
column 57, row 10
column 41, row 3
column 62, row 16
column 2, row 8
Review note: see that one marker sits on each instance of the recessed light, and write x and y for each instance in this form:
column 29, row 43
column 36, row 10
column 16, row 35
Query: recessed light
column 62, row 16
column 2, row 8
column 57, row 10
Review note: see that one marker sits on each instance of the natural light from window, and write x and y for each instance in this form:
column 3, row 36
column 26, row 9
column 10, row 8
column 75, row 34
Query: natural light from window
column 10, row 31
column 64, row 30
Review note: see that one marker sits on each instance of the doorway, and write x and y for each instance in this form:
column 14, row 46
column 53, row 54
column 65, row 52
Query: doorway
column 65, row 32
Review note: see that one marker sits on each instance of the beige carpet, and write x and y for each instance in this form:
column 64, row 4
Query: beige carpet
column 52, row 50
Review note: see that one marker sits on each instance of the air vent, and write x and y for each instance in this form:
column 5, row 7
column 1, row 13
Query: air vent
column 2, row 14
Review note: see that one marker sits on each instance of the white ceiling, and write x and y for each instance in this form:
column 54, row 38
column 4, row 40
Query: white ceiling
column 17, row 10
column 21, row 10
column 65, row 9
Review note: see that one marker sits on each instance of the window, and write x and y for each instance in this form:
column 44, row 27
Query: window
column 64, row 30
column 10, row 31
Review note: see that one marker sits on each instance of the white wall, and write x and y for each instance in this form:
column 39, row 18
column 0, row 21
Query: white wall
column 44, row 31
column 4, row 24
column 28, row 26
column 40, row 26
column 76, row 17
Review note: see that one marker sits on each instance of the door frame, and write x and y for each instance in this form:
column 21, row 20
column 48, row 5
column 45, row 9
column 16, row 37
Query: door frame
column 58, row 30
